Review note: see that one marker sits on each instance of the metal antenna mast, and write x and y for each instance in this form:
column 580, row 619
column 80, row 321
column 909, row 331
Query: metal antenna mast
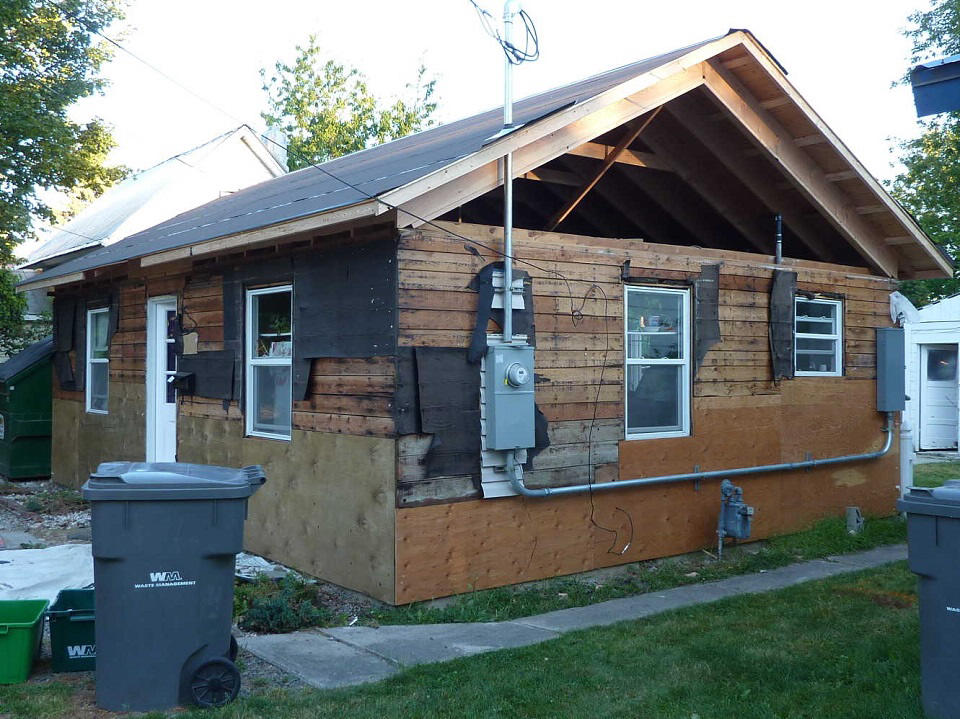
column 511, row 9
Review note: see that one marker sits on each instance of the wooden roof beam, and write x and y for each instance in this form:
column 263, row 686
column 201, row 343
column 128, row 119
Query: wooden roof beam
column 737, row 62
column 693, row 220
column 534, row 145
column 780, row 145
column 628, row 137
column 599, row 151
column 711, row 135
column 656, row 224
column 840, row 176
column 711, row 187
column 775, row 102
column 557, row 177
column 597, row 221
column 807, row 140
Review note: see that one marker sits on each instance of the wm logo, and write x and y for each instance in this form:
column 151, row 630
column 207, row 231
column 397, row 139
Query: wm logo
column 165, row 577
column 81, row 651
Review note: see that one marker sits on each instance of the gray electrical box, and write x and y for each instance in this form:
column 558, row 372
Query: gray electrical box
column 891, row 370
column 508, row 395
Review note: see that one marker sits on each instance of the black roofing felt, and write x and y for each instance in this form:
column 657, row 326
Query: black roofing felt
column 375, row 171
column 26, row 359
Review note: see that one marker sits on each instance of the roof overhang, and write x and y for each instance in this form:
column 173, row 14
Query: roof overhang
column 332, row 220
column 906, row 253
column 729, row 69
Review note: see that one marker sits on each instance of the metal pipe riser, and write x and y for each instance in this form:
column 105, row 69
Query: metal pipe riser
column 516, row 481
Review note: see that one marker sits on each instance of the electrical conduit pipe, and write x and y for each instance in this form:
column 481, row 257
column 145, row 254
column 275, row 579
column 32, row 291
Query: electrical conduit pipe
column 516, row 472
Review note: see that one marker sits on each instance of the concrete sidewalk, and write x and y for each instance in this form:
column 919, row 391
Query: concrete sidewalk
column 343, row 656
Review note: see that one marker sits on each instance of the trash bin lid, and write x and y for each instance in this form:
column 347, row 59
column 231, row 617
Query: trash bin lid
column 133, row 481
column 937, row 501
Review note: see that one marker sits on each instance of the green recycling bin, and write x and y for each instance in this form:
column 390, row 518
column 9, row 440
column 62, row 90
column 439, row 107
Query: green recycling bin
column 72, row 643
column 21, row 626
column 26, row 411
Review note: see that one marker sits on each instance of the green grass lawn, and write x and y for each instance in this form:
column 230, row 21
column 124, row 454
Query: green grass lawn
column 844, row 648
column 825, row 538
column 933, row 474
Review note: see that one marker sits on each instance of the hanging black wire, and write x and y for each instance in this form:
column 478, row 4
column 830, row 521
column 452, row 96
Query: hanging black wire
column 530, row 51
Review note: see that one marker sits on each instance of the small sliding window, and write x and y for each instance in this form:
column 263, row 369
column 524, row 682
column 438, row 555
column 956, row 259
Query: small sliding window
column 819, row 337
column 657, row 343
column 269, row 368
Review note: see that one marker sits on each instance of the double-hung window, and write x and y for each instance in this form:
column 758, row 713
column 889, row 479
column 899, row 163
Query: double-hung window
column 818, row 346
column 657, row 367
column 98, row 360
column 269, row 375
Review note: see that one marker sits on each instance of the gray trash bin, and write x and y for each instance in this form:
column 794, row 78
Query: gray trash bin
column 165, row 538
column 933, row 535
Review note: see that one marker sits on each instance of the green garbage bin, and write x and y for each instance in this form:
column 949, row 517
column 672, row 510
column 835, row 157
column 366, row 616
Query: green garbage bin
column 21, row 626
column 72, row 643
column 26, row 409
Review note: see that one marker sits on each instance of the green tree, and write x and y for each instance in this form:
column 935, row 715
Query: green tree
column 50, row 57
column 929, row 186
column 326, row 109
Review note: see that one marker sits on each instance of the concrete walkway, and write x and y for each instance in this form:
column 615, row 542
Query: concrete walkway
column 344, row 656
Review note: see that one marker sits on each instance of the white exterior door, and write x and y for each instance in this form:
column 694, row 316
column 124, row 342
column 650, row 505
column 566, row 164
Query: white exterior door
column 938, row 397
column 161, row 395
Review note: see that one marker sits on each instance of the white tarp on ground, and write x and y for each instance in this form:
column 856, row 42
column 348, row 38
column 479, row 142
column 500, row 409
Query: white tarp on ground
column 42, row 573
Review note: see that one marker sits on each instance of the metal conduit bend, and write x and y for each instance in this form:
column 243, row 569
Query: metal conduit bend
column 516, row 478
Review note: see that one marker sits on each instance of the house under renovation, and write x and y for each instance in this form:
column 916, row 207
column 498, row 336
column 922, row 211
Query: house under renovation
column 344, row 327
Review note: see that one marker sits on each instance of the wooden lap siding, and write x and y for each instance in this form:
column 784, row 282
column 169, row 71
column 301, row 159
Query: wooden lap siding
column 344, row 396
column 740, row 417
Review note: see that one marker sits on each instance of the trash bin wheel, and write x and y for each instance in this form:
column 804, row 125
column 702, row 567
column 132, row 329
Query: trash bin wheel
column 215, row 682
column 233, row 650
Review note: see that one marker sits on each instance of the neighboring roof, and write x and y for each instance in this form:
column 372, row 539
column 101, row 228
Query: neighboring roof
column 943, row 310
column 197, row 175
column 26, row 359
column 402, row 172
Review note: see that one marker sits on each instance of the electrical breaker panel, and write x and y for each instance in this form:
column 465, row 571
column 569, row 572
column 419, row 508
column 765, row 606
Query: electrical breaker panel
column 509, row 396
column 891, row 375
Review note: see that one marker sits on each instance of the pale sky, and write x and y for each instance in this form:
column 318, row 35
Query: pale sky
column 842, row 55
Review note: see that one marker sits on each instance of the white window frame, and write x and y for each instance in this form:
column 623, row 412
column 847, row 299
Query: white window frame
column 684, row 361
column 90, row 360
column 253, row 361
column 837, row 336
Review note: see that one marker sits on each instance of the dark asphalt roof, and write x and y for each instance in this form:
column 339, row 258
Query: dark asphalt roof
column 26, row 359
column 375, row 171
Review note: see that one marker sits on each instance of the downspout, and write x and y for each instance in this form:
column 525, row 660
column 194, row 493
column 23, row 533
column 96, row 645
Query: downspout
column 516, row 480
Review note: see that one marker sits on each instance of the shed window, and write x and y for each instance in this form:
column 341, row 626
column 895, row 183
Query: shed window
column 98, row 360
column 941, row 365
column 269, row 373
column 657, row 362
column 819, row 337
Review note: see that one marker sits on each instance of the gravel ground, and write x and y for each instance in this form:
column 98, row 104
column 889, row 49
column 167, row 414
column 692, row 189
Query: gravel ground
column 63, row 519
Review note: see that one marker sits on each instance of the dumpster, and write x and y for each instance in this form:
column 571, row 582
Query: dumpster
column 72, row 641
column 26, row 408
column 165, row 539
column 21, row 626
column 933, row 535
